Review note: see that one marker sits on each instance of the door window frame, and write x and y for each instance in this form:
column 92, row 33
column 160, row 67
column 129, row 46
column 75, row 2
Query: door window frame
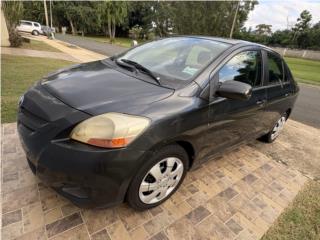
column 266, row 67
column 261, row 65
column 213, row 83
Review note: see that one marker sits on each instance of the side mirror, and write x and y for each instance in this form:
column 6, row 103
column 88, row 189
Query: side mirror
column 234, row 90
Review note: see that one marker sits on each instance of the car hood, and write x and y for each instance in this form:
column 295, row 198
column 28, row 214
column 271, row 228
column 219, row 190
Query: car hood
column 96, row 88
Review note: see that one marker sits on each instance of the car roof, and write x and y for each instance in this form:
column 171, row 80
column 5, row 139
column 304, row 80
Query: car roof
column 230, row 41
column 29, row 21
column 219, row 39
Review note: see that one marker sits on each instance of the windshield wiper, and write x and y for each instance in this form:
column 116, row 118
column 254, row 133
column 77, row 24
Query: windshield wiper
column 142, row 68
column 125, row 65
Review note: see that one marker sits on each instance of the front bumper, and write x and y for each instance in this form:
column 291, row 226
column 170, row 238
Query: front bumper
column 88, row 176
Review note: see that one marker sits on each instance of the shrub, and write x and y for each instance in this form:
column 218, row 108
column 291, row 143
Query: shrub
column 15, row 39
column 135, row 32
column 151, row 36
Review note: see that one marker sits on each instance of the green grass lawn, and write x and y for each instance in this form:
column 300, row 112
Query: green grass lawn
column 301, row 220
column 38, row 45
column 18, row 74
column 303, row 70
column 123, row 42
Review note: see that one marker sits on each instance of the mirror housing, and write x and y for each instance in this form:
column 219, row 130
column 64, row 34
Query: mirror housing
column 234, row 90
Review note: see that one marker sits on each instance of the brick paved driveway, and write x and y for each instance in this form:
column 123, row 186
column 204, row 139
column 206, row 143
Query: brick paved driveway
column 235, row 197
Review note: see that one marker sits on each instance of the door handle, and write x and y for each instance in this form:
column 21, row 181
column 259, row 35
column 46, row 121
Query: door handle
column 260, row 102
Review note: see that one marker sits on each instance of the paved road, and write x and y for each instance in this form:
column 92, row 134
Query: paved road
column 307, row 108
column 102, row 48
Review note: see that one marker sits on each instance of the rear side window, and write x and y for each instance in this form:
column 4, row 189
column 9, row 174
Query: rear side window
column 275, row 68
column 244, row 67
column 36, row 25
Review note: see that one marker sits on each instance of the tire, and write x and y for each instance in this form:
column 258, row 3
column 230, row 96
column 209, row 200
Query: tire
column 272, row 135
column 35, row 33
column 164, row 186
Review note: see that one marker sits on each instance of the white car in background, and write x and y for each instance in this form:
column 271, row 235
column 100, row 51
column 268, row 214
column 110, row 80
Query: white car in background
column 30, row 27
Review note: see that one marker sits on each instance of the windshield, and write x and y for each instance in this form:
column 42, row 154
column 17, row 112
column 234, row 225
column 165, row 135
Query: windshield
column 178, row 58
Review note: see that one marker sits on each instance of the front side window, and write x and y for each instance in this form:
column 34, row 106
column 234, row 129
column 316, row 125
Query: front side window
column 275, row 69
column 178, row 58
column 244, row 67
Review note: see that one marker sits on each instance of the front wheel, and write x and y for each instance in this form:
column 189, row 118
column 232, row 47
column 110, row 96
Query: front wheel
column 159, row 178
column 276, row 130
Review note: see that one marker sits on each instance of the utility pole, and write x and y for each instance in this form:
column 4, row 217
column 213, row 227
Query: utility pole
column 46, row 12
column 234, row 19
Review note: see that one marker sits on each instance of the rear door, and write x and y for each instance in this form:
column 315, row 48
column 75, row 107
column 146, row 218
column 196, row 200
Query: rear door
column 234, row 121
column 278, row 88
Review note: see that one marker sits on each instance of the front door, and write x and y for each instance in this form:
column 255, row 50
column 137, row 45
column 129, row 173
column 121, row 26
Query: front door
column 234, row 121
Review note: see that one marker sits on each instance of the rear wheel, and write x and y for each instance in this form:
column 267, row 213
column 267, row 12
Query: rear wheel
column 276, row 130
column 159, row 178
column 35, row 32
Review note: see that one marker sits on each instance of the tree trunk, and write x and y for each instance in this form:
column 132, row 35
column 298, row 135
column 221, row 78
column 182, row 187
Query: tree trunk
column 109, row 29
column 72, row 27
column 114, row 31
column 106, row 31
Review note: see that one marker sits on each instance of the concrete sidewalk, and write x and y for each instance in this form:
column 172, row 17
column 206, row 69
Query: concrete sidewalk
column 36, row 53
column 78, row 53
column 81, row 54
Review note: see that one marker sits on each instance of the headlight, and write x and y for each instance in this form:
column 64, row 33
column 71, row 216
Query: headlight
column 110, row 130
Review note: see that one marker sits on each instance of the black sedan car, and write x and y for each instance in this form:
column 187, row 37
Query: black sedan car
column 128, row 128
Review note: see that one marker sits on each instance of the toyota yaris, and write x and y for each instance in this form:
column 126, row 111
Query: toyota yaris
column 128, row 128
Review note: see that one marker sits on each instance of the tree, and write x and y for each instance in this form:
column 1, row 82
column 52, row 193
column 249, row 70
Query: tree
column 196, row 17
column 303, row 22
column 34, row 11
column 301, row 27
column 80, row 16
column 68, row 10
column 263, row 29
column 210, row 18
column 13, row 12
column 112, row 14
column 281, row 38
column 315, row 36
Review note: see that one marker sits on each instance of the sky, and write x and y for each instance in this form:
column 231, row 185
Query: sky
column 281, row 13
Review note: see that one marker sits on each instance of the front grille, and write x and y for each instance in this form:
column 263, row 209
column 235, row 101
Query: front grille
column 29, row 120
